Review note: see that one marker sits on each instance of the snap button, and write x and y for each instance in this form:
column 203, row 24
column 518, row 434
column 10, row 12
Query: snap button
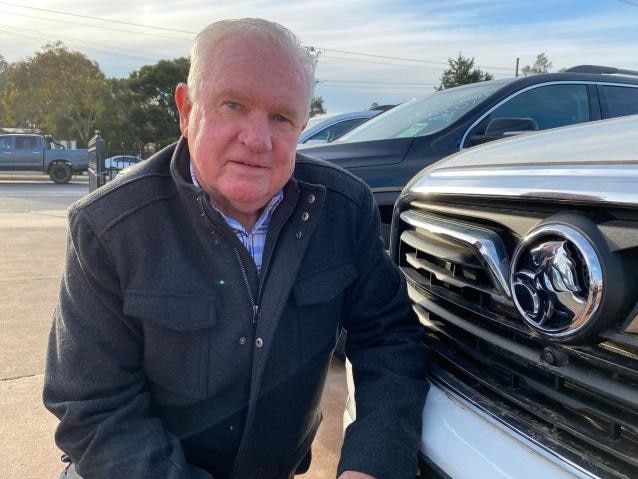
column 304, row 216
column 242, row 340
column 259, row 342
column 231, row 428
column 298, row 235
column 311, row 198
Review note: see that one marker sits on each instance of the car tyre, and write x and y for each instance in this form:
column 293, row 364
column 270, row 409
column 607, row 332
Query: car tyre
column 60, row 173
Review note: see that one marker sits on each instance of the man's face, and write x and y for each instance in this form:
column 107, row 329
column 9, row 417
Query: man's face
column 243, row 124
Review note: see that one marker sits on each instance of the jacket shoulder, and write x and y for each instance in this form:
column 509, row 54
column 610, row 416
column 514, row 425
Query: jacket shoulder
column 148, row 182
column 331, row 176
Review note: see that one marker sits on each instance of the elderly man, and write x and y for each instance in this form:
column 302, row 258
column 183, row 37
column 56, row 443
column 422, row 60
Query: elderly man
column 203, row 292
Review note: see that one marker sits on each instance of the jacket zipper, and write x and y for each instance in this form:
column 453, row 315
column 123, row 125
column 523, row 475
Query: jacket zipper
column 262, row 279
column 255, row 305
column 247, row 283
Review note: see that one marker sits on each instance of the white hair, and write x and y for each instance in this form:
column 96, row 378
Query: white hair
column 255, row 27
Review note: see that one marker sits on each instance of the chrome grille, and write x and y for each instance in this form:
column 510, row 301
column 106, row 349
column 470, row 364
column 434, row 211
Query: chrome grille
column 580, row 400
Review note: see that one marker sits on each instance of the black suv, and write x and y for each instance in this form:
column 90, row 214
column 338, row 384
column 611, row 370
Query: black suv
column 390, row 149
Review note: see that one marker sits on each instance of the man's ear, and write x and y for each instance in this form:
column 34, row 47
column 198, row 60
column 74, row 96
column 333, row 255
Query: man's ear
column 184, row 105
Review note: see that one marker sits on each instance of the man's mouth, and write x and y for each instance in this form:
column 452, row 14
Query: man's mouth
column 248, row 164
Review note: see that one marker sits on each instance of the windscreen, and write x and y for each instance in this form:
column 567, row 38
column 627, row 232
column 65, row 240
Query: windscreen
column 422, row 116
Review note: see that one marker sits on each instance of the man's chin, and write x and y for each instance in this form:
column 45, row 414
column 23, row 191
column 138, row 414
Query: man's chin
column 248, row 203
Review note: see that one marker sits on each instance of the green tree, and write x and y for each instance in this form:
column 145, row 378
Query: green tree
column 153, row 115
column 114, row 120
column 462, row 72
column 3, row 69
column 57, row 91
column 316, row 106
column 541, row 65
column 374, row 105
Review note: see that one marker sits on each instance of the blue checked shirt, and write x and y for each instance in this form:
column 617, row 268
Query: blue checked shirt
column 255, row 239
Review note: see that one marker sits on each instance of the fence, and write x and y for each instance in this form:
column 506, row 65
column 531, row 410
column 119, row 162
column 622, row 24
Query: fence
column 107, row 160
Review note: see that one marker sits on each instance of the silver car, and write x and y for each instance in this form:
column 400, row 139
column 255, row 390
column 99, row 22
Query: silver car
column 327, row 128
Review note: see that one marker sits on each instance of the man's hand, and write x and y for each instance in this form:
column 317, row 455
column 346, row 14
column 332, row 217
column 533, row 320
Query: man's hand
column 355, row 475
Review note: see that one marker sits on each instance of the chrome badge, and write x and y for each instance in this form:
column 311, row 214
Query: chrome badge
column 556, row 280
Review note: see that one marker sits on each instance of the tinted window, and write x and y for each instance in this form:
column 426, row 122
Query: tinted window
column 5, row 143
column 550, row 106
column 621, row 100
column 335, row 131
column 25, row 143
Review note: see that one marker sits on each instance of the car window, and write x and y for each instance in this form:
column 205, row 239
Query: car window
column 25, row 143
column 316, row 120
column 621, row 100
column 550, row 106
column 5, row 143
column 335, row 131
column 423, row 116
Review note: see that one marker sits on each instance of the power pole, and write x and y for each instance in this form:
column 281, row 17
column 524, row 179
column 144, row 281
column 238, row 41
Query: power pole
column 517, row 60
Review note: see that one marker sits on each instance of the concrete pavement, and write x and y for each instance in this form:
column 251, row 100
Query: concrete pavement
column 31, row 256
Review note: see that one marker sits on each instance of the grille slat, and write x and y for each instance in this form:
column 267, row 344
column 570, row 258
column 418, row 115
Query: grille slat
column 440, row 250
column 447, row 276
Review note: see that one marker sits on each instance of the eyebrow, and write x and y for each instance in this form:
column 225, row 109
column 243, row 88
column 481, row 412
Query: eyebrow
column 230, row 93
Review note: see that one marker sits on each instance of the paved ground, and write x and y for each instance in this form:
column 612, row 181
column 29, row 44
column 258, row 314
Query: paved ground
column 31, row 255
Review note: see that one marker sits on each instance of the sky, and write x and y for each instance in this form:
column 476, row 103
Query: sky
column 369, row 50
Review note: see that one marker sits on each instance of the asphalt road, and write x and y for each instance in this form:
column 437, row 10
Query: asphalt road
column 22, row 192
column 32, row 243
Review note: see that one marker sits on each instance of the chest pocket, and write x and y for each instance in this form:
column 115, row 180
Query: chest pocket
column 319, row 298
column 177, row 331
column 324, row 285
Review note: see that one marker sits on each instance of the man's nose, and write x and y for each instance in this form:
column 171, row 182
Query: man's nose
column 256, row 134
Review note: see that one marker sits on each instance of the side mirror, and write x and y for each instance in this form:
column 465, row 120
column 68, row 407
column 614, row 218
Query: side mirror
column 499, row 128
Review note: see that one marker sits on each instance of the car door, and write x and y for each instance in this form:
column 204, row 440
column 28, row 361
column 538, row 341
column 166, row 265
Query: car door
column 26, row 155
column 546, row 105
column 6, row 152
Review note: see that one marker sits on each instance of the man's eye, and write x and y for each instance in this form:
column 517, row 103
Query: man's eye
column 233, row 105
column 282, row 119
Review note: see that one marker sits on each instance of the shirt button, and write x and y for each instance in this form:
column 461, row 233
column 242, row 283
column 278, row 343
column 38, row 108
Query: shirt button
column 242, row 340
column 259, row 342
column 311, row 198
column 305, row 215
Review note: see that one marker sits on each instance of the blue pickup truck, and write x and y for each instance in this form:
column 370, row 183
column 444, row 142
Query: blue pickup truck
column 38, row 153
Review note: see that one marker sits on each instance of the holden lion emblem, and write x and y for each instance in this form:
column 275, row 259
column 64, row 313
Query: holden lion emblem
column 556, row 280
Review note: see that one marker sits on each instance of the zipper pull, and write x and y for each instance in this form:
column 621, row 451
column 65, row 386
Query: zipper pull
column 255, row 312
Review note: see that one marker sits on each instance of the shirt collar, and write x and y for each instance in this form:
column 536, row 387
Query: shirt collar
column 264, row 218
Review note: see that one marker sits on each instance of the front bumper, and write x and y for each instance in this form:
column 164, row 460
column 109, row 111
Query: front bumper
column 465, row 442
column 461, row 441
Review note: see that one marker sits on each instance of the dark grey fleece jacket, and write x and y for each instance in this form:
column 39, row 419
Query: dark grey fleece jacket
column 166, row 343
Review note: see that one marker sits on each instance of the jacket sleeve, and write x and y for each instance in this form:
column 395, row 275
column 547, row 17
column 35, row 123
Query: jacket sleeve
column 389, row 360
column 94, row 381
